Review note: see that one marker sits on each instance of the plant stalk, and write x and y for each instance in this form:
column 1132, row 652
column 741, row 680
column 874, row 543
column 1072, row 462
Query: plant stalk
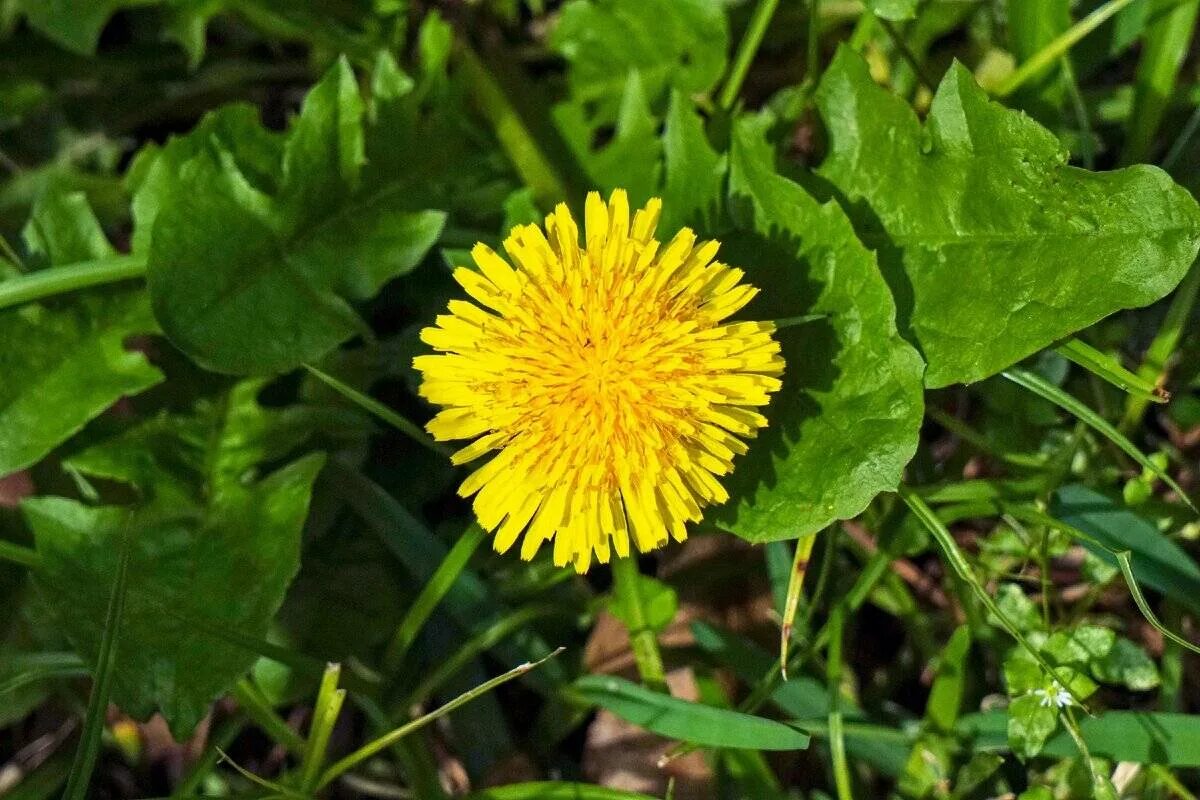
column 747, row 49
column 641, row 637
column 60, row 280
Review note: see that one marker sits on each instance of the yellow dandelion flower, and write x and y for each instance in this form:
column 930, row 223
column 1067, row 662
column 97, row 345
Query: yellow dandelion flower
column 601, row 378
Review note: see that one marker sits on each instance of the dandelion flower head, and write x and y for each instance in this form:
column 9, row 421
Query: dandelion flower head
column 602, row 379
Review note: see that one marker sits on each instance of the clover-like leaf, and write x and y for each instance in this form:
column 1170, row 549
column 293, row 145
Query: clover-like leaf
column 994, row 247
column 846, row 420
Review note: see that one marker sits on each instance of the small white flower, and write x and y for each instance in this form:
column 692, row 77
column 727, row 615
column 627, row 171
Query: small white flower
column 1055, row 696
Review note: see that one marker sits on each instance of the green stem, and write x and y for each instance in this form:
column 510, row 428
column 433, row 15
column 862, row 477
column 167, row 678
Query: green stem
column 17, row 554
column 755, row 31
column 60, row 280
column 531, row 164
column 1057, row 48
column 1153, row 368
column 642, row 639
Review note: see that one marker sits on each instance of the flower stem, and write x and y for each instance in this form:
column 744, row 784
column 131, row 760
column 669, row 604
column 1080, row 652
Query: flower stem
column 60, row 280
column 746, row 52
column 641, row 636
column 519, row 145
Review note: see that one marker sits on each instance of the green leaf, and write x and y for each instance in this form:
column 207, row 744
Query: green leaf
column 1030, row 724
column 324, row 153
column 1141, row 737
column 674, row 718
column 994, row 247
column 1128, row 665
column 973, row 774
column 672, row 43
column 214, row 547
column 1158, row 562
column 693, row 193
column 846, row 421
column 804, row 698
column 67, row 360
column 74, row 24
column 894, row 10
column 945, row 696
column 631, row 160
column 252, row 278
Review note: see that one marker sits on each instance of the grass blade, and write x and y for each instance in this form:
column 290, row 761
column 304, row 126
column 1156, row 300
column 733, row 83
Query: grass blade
column 1108, row 369
column 34, row 667
column 804, row 547
column 478, row 644
column 106, row 662
column 378, row 409
column 1059, row 46
column 1144, row 607
column 1043, row 388
column 833, row 679
column 325, row 716
column 258, row 709
column 387, row 740
column 1165, row 44
column 1124, row 559
column 431, row 594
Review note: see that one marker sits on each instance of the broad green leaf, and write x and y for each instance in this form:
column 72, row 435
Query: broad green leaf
column 632, row 159
column 894, row 10
column 226, row 564
column 690, row 722
column 671, row 43
column 994, row 247
column 846, row 421
column 67, row 360
column 74, row 24
column 1137, row 736
column 693, row 191
column 215, row 543
column 1158, row 562
column 324, row 153
column 249, row 278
